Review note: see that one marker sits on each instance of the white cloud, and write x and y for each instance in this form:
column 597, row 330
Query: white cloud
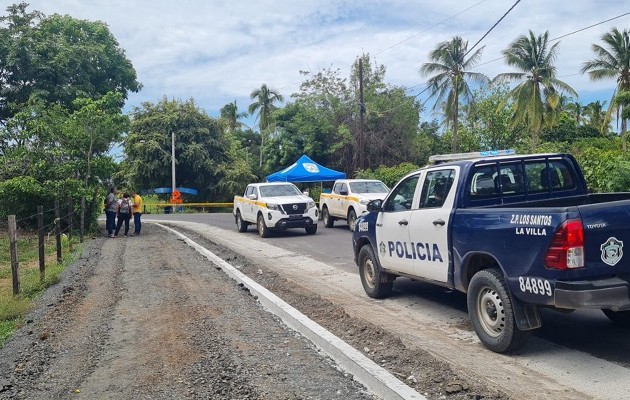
column 219, row 51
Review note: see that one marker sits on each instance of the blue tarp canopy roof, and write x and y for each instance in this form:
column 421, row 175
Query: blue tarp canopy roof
column 305, row 170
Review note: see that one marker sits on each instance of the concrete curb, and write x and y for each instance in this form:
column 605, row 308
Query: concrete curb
column 374, row 377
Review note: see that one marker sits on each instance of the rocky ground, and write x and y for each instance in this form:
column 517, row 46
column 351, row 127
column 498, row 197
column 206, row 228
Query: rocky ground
column 148, row 317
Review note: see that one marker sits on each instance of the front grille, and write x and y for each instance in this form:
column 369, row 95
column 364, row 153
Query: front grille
column 294, row 208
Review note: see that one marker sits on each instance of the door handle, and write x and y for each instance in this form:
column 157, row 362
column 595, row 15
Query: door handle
column 439, row 222
column 403, row 222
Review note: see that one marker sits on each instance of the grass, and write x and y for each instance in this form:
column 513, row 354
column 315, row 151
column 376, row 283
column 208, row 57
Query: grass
column 14, row 308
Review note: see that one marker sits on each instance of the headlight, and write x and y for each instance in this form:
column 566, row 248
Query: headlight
column 310, row 204
column 364, row 202
column 274, row 207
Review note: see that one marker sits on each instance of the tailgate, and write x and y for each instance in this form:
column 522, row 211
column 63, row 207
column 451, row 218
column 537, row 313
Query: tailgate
column 607, row 237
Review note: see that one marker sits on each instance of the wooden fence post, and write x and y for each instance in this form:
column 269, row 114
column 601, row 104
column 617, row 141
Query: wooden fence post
column 14, row 255
column 82, row 226
column 58, row 232
column 70, row 212
column 40, row 238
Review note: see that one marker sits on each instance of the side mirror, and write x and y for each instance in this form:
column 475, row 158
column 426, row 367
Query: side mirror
column 252, row 196
column 343, row 192
column 306, row 193
column 375, row 205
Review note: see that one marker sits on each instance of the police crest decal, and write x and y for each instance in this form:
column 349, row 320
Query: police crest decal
column 612, row 251
column 382, row 248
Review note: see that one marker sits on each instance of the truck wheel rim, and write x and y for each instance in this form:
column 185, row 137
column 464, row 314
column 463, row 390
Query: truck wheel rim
column 491, row 311
column 370, row 273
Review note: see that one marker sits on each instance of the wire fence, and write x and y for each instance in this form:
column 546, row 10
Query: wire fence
column 64, row 226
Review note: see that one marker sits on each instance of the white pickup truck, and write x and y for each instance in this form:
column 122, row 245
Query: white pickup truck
column 275, row 206
column 349, row 198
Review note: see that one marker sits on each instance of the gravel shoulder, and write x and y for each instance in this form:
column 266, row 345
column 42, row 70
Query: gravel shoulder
column 148, row 317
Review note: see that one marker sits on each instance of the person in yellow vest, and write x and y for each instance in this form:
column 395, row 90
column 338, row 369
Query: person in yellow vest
column 137, row 212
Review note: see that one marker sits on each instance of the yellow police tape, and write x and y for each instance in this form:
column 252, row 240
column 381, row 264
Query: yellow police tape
column 190, row 205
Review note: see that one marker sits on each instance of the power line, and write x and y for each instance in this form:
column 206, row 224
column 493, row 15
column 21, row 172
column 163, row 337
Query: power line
column 431, row 27
column 493, row 26
column 499, row 58
column 590, row 26
column 409, row 38
column 563, row 36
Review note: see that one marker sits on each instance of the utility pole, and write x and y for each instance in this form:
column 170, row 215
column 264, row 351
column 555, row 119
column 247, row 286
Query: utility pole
column 173, row 161
column 361, row 141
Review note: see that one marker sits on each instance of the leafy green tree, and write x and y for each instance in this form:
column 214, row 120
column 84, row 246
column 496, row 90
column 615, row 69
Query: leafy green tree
column 264, row 106
column 58, row 59
column 387, row 175
column 450, row 82
column 321, row 120
column 539, row 87
column 612, row 61
column 391, row 126
column 488, row 120
column 204, row 153
column 55, row 153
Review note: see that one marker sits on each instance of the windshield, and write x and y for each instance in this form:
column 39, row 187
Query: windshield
column 368, row 187
column 279, row 190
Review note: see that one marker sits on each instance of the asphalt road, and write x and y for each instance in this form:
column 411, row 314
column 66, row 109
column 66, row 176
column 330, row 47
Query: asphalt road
column 587, row 331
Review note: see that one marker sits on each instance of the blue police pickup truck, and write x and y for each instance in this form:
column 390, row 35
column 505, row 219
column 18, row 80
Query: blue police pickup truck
column 513, row 232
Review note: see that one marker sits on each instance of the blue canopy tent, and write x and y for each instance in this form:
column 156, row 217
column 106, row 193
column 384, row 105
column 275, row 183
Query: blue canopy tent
column 305, row 170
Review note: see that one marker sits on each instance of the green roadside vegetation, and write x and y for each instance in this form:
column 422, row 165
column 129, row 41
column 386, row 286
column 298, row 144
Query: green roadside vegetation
column 13, row 309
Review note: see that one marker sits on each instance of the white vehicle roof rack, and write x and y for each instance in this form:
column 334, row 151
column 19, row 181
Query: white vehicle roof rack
column 440, row 158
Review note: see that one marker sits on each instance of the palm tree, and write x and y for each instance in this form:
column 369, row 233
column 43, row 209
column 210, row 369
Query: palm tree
column 538, row 89
column 613, row 62
column 231, row 116
column 264, row 106
column 449, row 63
column 577, row 111
column 597, row 117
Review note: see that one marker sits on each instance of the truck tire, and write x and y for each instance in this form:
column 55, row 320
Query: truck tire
column 352, row 218
column 240, row 224
column 376, row 283
column 310, row 230
column 263, row 231
column 328, row 220
column 621, row 318
column 491, row 312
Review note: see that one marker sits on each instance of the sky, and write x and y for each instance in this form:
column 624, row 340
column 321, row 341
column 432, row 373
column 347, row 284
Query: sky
column 217, row 52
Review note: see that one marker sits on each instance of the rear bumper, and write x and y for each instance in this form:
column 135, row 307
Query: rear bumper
column 608, row 294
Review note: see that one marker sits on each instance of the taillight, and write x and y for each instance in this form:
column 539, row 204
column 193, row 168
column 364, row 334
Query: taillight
column 566, row 250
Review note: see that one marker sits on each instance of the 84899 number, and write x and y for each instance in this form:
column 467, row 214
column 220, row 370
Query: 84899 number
column 535, row 285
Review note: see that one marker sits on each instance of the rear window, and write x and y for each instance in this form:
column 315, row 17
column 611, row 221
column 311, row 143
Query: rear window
column 552, row 176
column 517, row 179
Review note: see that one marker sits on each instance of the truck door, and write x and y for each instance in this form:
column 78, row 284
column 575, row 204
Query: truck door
column 248, row 204
column 392, row 226
column 343, row 200
column 334, row 206
column 428, row 226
